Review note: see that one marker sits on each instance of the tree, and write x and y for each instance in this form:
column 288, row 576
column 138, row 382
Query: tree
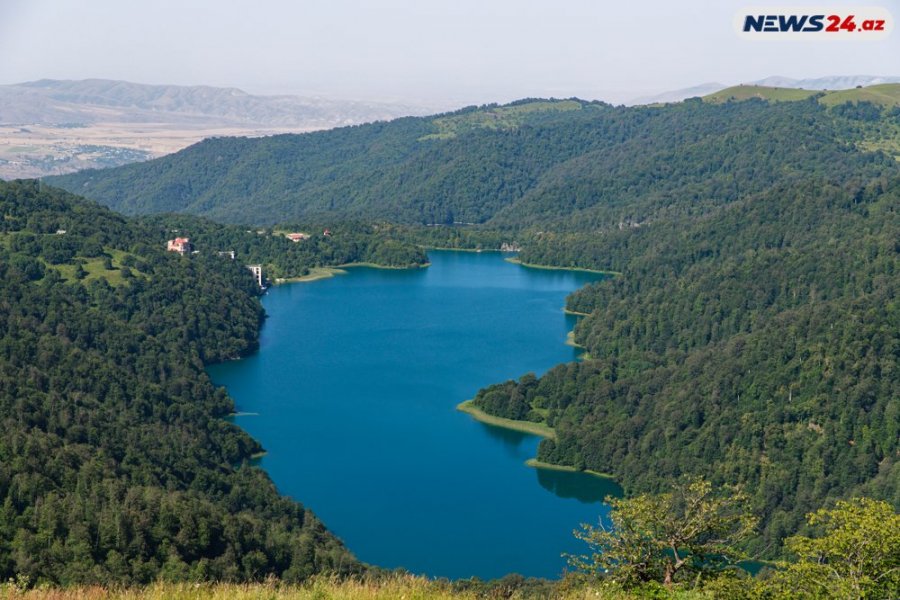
column 855, row 555
column 694, row 529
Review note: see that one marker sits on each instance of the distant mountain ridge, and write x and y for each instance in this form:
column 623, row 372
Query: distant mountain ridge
column 833, row 82
column 90, row 101
column 51, row 127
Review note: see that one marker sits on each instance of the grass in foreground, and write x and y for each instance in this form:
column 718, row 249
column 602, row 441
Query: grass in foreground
column 396, row 587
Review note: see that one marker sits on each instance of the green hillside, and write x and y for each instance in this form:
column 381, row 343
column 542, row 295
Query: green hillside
column 117, row 462
column 540, row 164
column 885, row 95
column 758, row 345
column 752, row 335
column 746, row 92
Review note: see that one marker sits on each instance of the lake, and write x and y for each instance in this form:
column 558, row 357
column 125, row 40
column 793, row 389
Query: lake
column 353, row 394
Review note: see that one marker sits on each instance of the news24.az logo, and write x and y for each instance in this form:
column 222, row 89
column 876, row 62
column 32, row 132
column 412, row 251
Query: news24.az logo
column 811, row 23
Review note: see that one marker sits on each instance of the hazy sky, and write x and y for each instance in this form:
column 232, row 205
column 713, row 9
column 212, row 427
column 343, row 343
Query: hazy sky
column 444, row 51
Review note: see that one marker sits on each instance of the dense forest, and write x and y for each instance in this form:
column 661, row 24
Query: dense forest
column 751, row 334
column 117, row 463
column 757, row 345
column 542, row 165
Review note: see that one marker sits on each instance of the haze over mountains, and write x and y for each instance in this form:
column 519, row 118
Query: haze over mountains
column 54, row 127
column 101, row 101
column 834, row 82
column 51, row 126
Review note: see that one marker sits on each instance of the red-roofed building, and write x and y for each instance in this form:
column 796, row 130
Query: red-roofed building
column 180, row 245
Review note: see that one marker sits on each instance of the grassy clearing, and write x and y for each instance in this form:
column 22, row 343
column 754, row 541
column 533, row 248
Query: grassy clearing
column 314, row 274
column 746, row 92
column 95, row 269
column 887, row 94
column 497, row 118
column 883, row 136
column 317, row 273
column 523, row 426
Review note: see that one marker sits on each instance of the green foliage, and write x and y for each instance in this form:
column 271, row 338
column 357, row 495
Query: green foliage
column 757, row 345
column 380, row 244
column 753, row 333
column 501, row 117
column 592, row 169
column 856, row 554
column 679, row 535
column 116, row 461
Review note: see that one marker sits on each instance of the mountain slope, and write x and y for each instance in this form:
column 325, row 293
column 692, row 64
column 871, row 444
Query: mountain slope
column 753, row 332
column 558, row 164
column 758, row 344
column 117, row 463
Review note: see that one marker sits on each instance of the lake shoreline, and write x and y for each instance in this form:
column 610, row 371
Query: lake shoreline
column 317, row 273
column 539, row 464
column 516, row 261
column 479, row 415
column 530, row 427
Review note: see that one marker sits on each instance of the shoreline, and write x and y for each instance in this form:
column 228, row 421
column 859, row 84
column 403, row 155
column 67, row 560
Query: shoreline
column 516, row 261
column 570, row 340
column 538, row 429
column 318, row 273
column 539, row 464
column 387, row 267
column 575, row 312
column 476, row 250
column 315, row 274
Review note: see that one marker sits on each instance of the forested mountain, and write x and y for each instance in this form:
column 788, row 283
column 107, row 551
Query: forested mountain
column 752, row 333
column 758, row 345
column 117, row 463
column 544, row 164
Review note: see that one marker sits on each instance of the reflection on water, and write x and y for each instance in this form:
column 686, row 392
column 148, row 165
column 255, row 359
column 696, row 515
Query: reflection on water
column 583, row 487
column 516, row 443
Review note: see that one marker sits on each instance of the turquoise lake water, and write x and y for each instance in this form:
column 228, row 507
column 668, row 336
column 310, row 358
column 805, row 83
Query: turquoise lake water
column 353, row 393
